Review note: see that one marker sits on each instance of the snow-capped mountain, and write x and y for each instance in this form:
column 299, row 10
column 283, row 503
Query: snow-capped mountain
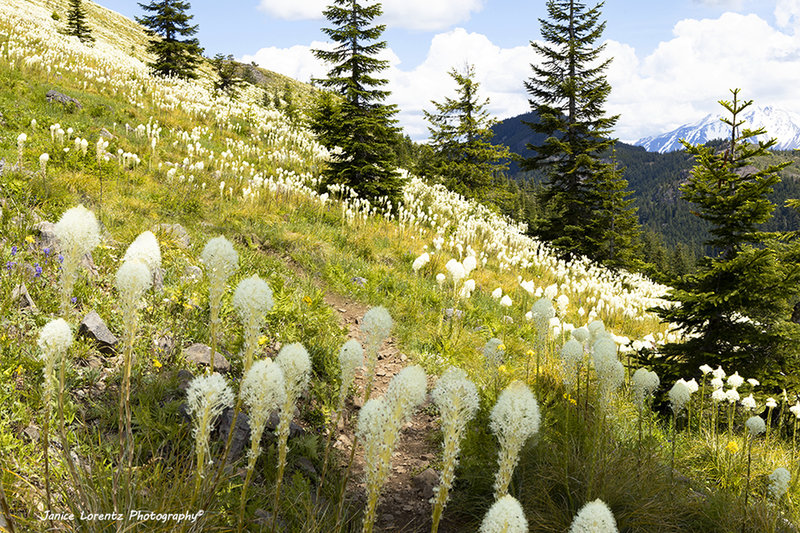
column 781, row 124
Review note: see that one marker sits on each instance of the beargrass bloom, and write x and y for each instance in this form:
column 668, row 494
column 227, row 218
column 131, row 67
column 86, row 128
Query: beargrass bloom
column 515, row 418
column 456, row 397
column 420, row 262
column 755, row 425
column 645, row 384
column 594, row 517
column 351, row 356
column 678, row 396
column 207, row 397
column 252, row 299
column 78, row 233
column 376, row 325
column 505, row 516
column 572, row 356
column 705, row 369
column 145, row 248
column 779, row 483
column 735, row 380
column 221, row 261
column 749, row 402
column 54, row 340
column 456, row 270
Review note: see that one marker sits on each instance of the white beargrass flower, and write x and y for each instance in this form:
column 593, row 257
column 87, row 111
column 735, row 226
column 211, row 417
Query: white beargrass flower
column 678, row 396
column 470, row 263
column 456, row 270
column 779, row 482
column 692, row 384
column 594, row 517
column 717, row 383
column 795, row 410
column 505, row 516
column 755, row 425
column 581, row 334
column 376, row 325
column 718, row 395
column 78, row 233
column 749, row 402
column 351, row 356
column 497, row 293
column 406, row 392
column 753, row 382
column 132, row 281
column 732, row 395
column 206, row 397
column 221, row 261
column 542, row 311
column 572, row 356
column 515, row 418
column 735, row 380
column 645, row 383
column 505, row 301
column 562, row 303
column 705, row 369
column 252, row 299
column 596, row 329
column 718, row 373
column 263, row 391
column 456, row 397
column 145, row 248
column 771, row 403
column 54, row 340
column 440, row 279
column 420, row 262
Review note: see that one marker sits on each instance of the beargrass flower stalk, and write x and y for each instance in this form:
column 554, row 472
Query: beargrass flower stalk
column 755, row 426
column 252, row 299
column 294, row 361
column 351, row 356
column 679, row 395
column 779, row 481
column 505, row 516
column 572, row 356
column 456, row 397
column 78, row 233
column 132, row 281
column 379, row 424
column 515, row 418
column 706, row 370
column 263, row 390
column 43, row 159
column 54, row 340
column 770, row 404
column 645, row 384
column 732, row 396
column 21, row 138
column 206, row 397
column 376, row 325
column 145, row 248
column 220, row 260
column 610, row 371
column 541, row 312
column 594, row 517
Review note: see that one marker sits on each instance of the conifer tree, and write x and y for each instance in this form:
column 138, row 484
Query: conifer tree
column 170, row 21
column 229, row 80
column 568, row 89
column 737, row 307
column 460, row 134
column 365, row 130
column 76, row 22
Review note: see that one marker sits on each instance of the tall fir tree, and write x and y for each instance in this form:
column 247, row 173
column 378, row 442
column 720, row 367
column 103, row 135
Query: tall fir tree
column 170, row 21
column 568, row 90
column 227, row 72
column 460, row 133
column 364, row 130
column 76, row 22
column 736, row 310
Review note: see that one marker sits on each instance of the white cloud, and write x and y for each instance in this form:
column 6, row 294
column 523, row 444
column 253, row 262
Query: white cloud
column 409, row 14
column 725, row 4
column 787, row 13
column 679, row 82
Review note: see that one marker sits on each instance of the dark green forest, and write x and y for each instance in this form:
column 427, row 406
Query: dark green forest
column 654, row 180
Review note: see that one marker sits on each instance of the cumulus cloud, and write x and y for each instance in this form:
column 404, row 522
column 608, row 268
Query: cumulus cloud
column 787, row 13
column 679, row 82
column 409, row 14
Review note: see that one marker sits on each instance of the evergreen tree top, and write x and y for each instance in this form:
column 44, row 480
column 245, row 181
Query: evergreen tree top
column 731, row 193
column 170, row 19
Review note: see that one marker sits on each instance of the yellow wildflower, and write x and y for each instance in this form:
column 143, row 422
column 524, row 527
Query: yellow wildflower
column 732, row 447
column 29, row 239
column 529, row 353
column 19, row 370
column 502, row 369
column 262, row 340
column 502, row 347
column 157, row 363
column 307, row 300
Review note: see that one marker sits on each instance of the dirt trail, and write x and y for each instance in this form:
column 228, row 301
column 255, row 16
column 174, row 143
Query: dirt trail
column 403, row 506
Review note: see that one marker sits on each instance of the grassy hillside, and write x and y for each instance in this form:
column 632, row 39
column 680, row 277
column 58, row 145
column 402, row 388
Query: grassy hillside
column 179, row 154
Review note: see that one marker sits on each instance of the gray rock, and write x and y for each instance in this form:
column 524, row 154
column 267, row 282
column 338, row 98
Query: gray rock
column 507, row 319
column 200, row 354
column 92, row 327
column 192, row 273
column 32, row 433
column 272, row 425
column 105, row 134
column 184, row 377
column 175, row 231
column 425, row 481
column 2, row 166
column 88, row 264
column 47, row 237
column 55, row 96
column 241, row 433
column 358, row 280
column 23, row 300
column 305, row 465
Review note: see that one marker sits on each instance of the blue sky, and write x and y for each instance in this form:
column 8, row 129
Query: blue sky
column 673, row 58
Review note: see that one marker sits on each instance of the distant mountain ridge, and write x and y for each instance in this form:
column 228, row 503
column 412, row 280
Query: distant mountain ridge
column 779, row 123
